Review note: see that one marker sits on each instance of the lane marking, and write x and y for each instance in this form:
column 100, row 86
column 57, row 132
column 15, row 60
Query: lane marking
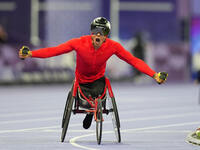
column 160, row 117
column 79, row 124
column 160, row 109
column 123, row 120
column 30, row 113
column 143, row 131
column 72, row 131
column 28, row 129
column 73, row 140
column 29, row 120
column 162, row 126
column 39, row 128
column 122, row 112
column 164, row 131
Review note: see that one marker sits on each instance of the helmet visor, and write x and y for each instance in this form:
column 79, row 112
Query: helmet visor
column 100, row 30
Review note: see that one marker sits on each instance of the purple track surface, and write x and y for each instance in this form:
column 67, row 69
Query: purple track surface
column 153, row 117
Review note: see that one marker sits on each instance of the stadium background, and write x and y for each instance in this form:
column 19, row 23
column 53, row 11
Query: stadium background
column 170, row 28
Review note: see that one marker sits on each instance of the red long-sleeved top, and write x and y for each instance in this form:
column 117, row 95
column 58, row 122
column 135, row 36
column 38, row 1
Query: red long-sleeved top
column 91, row 63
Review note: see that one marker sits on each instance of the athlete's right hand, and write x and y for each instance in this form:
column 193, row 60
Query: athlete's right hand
column 24, row 52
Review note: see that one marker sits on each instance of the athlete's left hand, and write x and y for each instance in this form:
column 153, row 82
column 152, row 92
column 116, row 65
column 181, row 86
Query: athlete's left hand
column 160, row 77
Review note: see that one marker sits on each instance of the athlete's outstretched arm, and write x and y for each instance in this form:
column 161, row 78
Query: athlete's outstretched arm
column 50, row 51
column 138, row 63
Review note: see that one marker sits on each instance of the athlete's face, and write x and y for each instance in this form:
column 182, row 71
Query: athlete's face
column 98, row 39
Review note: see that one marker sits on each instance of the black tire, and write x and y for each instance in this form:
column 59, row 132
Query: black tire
column 115, row 120
column 65, row 110
column 67, row 115
column 99, row 122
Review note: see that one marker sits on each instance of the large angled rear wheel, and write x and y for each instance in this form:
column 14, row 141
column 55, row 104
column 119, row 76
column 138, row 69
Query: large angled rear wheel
column 67, row 115
column 115, row 120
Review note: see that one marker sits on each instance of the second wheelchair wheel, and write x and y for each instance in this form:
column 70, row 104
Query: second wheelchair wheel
column 65, row 110
column 67, row 115
column 99, row 121
column 115, row 120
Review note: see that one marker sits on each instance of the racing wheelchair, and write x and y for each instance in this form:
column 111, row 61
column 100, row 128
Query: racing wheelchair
column 103, row 104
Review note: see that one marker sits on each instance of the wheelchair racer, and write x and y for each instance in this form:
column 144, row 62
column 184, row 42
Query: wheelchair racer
column 92, row 52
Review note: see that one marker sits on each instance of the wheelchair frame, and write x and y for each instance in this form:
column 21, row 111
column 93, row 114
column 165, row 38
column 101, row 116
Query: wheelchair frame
column 96, row 107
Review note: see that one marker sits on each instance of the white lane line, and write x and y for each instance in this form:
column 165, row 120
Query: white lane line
column 28, row 129
column 161, row 117
column 79, row 124
column 29, row 120
column 164, row 131
column 32, row 129
column 72, row 131
column 143, row 131
column 73, row 140
column 40, row 128
column 169, row 109
column 122, row 112
column 123, row 120
column 162, row 126
column 30, row 113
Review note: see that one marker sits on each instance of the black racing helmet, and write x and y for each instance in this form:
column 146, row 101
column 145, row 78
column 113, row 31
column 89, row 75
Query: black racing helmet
column 100, row 24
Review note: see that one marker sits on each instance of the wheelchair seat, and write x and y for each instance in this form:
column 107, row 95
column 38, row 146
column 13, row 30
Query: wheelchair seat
column 82, row 102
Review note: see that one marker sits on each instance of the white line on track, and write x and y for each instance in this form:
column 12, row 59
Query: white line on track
column 144, row 131
column 74, row 131
column 161, row 117
column 123, row 112
column 168, row 109
column 30, row 113
column 73, row 140
column 29, row 120
column 123, row 120
column 28, row 129
column 78, row 124
column 164, row 131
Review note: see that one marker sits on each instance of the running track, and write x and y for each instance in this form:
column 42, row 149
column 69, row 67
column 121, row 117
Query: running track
column 153, row 117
